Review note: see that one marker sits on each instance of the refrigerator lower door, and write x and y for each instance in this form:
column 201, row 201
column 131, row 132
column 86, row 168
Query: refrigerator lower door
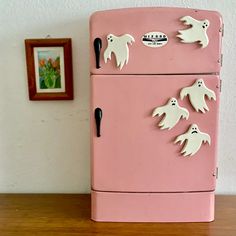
column 135, row 163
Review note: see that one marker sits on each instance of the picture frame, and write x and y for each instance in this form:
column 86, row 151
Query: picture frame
column 49, row 69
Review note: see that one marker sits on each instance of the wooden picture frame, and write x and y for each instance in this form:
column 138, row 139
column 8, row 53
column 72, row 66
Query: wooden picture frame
column 49, row 69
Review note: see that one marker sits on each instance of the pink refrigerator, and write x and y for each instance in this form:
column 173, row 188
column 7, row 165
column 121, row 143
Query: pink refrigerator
column 155, row 91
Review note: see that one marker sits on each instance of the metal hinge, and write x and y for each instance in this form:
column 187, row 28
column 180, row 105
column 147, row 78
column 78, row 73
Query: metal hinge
column 219, row 86
column 216, row 173
column 221, row 60
column 222, row 29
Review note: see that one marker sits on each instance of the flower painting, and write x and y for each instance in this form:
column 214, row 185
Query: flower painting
column 49, row 68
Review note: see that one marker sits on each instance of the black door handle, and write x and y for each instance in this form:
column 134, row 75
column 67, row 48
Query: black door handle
column 97, row 49
column 98, row 118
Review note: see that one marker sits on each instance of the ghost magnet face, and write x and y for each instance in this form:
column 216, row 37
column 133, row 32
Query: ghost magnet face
column 173, row 102
column 194, row 129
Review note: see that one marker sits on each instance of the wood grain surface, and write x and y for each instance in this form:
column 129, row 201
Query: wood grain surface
column 69, row 214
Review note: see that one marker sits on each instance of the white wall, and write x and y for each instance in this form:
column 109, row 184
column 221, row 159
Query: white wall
column 44, row 146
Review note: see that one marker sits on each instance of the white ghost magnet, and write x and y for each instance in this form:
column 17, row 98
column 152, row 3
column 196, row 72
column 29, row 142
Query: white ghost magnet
column 197, row 33
column 193, row 139
column 173, row 113
column 197, row 93
column 119, row 46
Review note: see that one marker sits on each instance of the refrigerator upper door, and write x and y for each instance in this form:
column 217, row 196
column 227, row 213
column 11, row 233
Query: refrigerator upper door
column 155, row 41
column 131, row 153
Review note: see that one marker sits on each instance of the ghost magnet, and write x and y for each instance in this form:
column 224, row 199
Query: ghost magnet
column 119, row 46
column 173, row 113
column 197, row 93
column 193, row 139
column 197, row 32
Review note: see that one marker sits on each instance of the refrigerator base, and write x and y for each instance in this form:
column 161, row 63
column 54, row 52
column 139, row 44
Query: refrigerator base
column 153, row 207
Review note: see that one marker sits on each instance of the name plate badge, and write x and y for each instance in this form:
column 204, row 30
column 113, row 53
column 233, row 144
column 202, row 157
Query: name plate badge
column 154, row 39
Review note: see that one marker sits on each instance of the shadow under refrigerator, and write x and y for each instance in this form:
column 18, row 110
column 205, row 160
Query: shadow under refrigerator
column 155, row 91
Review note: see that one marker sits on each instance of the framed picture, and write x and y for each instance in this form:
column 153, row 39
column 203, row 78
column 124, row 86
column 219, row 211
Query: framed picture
column 49, row 68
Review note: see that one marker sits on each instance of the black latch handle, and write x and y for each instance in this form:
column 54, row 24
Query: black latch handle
column 97, row 49
column 98, row 118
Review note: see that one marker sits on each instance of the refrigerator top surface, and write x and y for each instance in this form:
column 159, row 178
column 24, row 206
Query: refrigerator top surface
column 156, row 40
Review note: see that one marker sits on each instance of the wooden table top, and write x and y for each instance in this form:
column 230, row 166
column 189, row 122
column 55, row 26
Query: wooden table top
column 69, row 214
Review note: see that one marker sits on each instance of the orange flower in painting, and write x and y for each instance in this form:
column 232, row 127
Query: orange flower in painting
column 42, row 62
column 55, row 64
